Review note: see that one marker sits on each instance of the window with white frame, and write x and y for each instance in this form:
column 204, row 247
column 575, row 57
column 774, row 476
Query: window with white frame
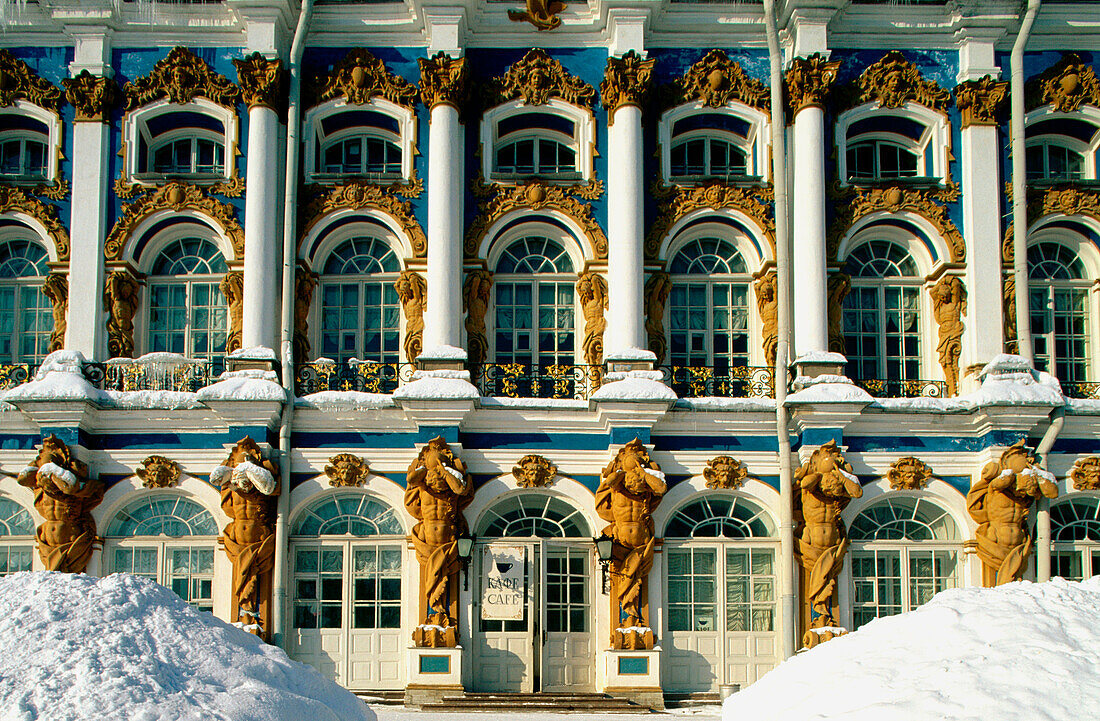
column 195, row 141
column 1062, row 148
column 16, row 537
column 188, row 314
column 29, row 143
column 26, row 318
column 373, row 141
column 1059, row 286
column 904, row 551
column 712, row 146
column 360, row 308
column 1075, row 531
column 904, row 144
column 552, row 142
column 534, row 304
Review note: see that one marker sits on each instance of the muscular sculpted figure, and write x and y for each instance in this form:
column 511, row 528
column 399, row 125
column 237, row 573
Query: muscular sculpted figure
column 64, row 496
column 949, row 306
column 1001, row 503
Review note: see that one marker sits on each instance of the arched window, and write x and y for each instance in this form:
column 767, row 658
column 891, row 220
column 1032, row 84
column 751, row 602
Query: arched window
column 881, row 314
column 534, row 288
column 1059, row 287
column 533, row 515
column 1062, row 148
column 709, row 146
column 536, row 145
column 187, row 312
column 886, row 147
column 1075, row 530
column 904, row 551
column 359, row 143
column 716, row 516
column 169, row 539
column 24, row 144
column 360, row 309
column 26, row 320
column 193, row 141
column 709, row 306
column 348, row 514
column 16, row 537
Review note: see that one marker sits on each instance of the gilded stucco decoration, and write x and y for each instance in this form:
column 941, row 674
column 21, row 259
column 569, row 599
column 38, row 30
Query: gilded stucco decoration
column 535, row 79
column 356, row 195
column 725, row 473
column 538, row 197
column 892, row 82
column 1085, row 474
column 475, row 304
column 121, row 296
column 543, row 14
column 626, row 81
column 909, row 474
column 716, row 81
column 1067, row 85
column 826, row 485
column 443, row 80
column 56, row 288
column 1001, row 504
column 534, row 471
column 261, row 80
column 232, row 287
column 181, row 77
column 305, row 280
column 837, row 288
column 949, row 307
column 14, row 200
column 631, row 487
column 716, row 196
column 808, row 82
column 92, row 97
column 158, row 472
column 1059, row 199
column 438, row 488
column 176, row 196
column 347, row 470
column 592, row 292
column 981, row 102
column 924, row 202
column 1008, row 309
column 19, row 82
column 655, row 295
column 767, row 304
column 360, row 77
column 413, row 292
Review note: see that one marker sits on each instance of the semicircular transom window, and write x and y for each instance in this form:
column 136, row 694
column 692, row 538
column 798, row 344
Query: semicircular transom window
column 162, row 515
column 26, row 316
column 348, row 514
column 720, row 516
column 535, row 255
column 534, row 515
column 14, row 519
column 1077, row 519
column 904, row 518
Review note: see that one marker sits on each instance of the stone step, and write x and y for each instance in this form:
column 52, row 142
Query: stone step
column 565, row 702
column 387, row 697
column 687, row 700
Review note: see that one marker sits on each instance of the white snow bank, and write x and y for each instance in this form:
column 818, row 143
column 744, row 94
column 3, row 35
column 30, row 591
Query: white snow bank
column 726, row 404
column 346, row 400
column 256, row 352
column 822, row 356
column 438, row 384
column 631, row 354
column 77, row 648
column 1020, row 652
column 151, row 359
column 827, row 388
column 634, row 386
column 506, row 402
column 244, row 385
column 443, row 352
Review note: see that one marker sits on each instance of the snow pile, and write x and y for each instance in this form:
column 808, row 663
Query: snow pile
column 60, row 377
column 443, row 352
column 822, row 357
column 77, row 648
column 1020, row 652
column 1010, row 380
column 437, row 384
column 631, row 354
column 827, row 388
column 634, row 386
column 345, row 400
column 256, row 352
column 244, row 385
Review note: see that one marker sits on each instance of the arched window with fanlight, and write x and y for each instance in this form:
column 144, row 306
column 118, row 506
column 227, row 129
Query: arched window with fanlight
column 26, row 320
column 360, row 309
column 1062, row 146
column 534, row 304
column 1075, row 531
column 16, row 537
column 533, row 515
column 553, row 142
column 1059, row 286
column 907, row 144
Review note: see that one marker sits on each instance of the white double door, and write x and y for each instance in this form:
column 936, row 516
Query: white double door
column 551, row 648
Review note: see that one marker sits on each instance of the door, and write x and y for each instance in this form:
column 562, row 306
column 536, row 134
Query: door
column 504, row 653
column 567, row 643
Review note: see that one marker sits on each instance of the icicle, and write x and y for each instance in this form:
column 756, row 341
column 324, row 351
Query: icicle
column 11, row 12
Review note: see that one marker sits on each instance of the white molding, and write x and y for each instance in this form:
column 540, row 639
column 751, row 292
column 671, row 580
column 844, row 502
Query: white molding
column 937, row 135
column 313, row 136
column 757, row 144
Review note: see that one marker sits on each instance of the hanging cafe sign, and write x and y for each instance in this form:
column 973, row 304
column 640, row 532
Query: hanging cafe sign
column 503, row 588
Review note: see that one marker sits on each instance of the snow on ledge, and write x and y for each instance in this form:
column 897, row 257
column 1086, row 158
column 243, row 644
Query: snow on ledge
column 726, row 404
column 443, row 352
column 345, row 400
column 822, row 356
column 827, row 388
column 634, row 386
column 506, row 402
column 151, row 359
column 438, row 384
column 257, row 352
column 244, row 385
column 631, row 354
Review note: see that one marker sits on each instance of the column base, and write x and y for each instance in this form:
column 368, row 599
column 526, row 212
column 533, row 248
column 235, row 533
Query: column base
column 433, row 673
column 631, row 359
column 635, row 676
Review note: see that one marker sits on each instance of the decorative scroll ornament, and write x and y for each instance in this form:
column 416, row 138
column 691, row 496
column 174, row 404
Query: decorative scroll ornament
column 631, row 487
column 181, row 77
column 443, row 80
column 537, row 197
column 626, row 81
column 767, row 303
column 305, row 280
column 543, row 14
column 360, row 77
column 438, row 488
column 909, row 474
column 14, row 200
column 655, row 296
column 175, row 196
column 58, row 189
column 725, row 473
column 261, row 80
column 1008, row 299
column 949, row 306
column 838, row 286
column 534, row 471
column 158, row 472
column 716, row 196
column 1067, row 85
column 357, row 195
column 1085, row 474
column 982, row 101
column 900, row 199
column 232, row 287
column 592, row 291
column 1001, row 503
column 56, row 288
column 893, row 81
column 535, row 79
column 64, row 496
column 347, row 470
column 413, row 291
column 717, row 81
column 1060, row 199
column 19, row 82
column 92, row 97
column 808, row 82
column 120, row 299
column 826, row 486
column 475, row 303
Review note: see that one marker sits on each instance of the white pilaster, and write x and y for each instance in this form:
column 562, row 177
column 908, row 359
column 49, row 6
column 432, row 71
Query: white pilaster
column 262, row 255
column 811, row 321
column 625, row 228
column 443, row 316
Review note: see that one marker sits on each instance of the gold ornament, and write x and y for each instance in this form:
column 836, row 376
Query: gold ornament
column 19, row 82
column 443, row 80
column 1067, row 85
column 475, row 303
column 534, row 196
column 347, row 471
column 360, row 77
column 92, row 97
column 716, row 81
column 261, row 80
column 981, row 101
column 949, row 306
column 158, row 472
column 592, row 292
column 181, row 77
column 534, row 471
column 838, row 286
column 655, row 295
column 413, row 291
column 715, row 196
column 626, row 81
column 543, row 14
column 15, row 200
column 725, row 473
column 892, row 82
column 1086, row 474
column 357, row 195
column 808, row 83
column 305, row 280
column 121, row 297
column 56, row 288
column 900, row 199
column 232, row 287
column 535, row 79
column 767, row 304
column 909, row 474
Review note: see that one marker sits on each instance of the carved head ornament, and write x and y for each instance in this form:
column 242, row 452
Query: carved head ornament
column 909, row 474
column 725, row 472
column 347, row 471
column 534, row 471
column 158, row 472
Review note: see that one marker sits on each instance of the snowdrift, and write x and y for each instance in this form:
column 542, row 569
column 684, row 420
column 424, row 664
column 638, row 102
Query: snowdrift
column 77, row 648
column 1020, row 652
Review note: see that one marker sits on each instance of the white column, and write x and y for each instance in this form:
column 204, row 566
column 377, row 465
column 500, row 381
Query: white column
column 446, row 142
column 625, row 228
column 262, row 259
column 811, row 320
column 86, row 330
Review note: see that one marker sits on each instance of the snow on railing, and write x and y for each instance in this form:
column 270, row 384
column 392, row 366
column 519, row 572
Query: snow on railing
column 153, row 372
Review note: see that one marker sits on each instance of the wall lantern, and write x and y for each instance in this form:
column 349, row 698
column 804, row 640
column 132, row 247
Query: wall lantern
column 465, row 552
column 604, row 546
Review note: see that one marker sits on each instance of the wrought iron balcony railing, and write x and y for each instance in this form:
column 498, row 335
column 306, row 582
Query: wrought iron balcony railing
column 184, row 375
column 362, row 376
column 1081, row 389
column 706, row 381
column 14, row 374
column 915, row 388
column 521, row 380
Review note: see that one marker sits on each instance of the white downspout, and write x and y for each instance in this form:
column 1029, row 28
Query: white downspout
column 1042, row 513
column 788, row 616
column 290, row 258
column 1019, row 184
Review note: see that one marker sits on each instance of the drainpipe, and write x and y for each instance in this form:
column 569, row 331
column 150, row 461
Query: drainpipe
column 290, row 258
column 1042, row 514
column 787, row 603
column 1019, row 184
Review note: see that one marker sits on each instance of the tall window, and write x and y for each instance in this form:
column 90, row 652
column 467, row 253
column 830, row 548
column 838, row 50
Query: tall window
column 26, row 319
column 187, row 312
column 534, row 304
column 709, row 306
column 1059, row 287
column 882, row 313
column 16, row 537
column 360, row 310
column 172, row 143
column 885, row 147
column 1062, row 147
column 1075, row 530
column 703, row 145
column 904, row 551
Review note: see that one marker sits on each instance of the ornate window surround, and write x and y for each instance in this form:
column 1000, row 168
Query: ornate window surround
column 936, row 135
column 1086, row 113
column 315, row 116
column 757, row 146
column 583, row 141
column 52, row 121
column 135, row 128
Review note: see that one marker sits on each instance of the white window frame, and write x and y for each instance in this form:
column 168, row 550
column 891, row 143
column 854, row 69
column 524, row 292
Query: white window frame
column 313, row 135
column 135, row 128
column 1087, row 550
column 936, row 135
column 20, row 232
column 582, row 142
column 52, row 121
column 756, row 145
column 1087, row 113
column 164, row 545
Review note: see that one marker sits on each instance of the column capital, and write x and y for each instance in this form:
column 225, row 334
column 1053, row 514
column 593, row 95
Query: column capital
column 808, row 82
column 981, row 102
column 261, row 80
column 626, row 81
column 443, row 80
column 92, row 97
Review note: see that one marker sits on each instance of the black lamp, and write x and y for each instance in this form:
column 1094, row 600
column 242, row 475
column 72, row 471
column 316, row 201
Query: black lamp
column 465, row 552
column 604, row 546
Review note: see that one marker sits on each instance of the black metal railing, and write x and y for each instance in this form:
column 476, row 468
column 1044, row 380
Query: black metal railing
column 183, row 375
column 14, row 374
column 362, row 376
column 1081, row 389
column 521, row 380
column 892, row 388
column 707, row 381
